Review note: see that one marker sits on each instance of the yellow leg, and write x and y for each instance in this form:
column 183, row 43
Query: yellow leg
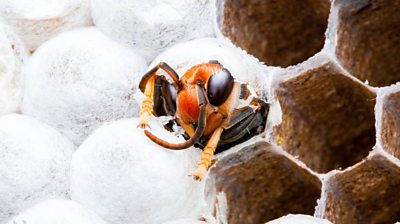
column 147, row 104
column 206, row 156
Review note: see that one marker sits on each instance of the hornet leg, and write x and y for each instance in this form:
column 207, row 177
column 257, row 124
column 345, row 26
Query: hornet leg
column 164, row 66
column 147, row 104
column 206, row 156
column 147, row 85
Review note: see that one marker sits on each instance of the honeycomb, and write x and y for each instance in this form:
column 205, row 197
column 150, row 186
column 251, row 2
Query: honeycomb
column 330, row 150
column 335, row 153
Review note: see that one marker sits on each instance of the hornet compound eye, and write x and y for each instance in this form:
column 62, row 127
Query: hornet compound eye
column 219, row 87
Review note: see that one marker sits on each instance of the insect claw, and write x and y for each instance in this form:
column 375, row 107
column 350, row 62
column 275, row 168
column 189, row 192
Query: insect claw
column 199, row 173
column 213, row 161
column 196, row 178
column 143, row 125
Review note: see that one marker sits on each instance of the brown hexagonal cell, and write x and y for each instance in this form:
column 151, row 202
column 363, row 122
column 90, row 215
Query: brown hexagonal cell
column 280, row 33
column 261, row 183
column 328, row 118
column 366, row 193
column 368, row 39
column 390, row 129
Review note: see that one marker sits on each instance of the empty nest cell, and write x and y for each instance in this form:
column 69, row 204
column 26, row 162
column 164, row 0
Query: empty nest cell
column 368, row 38
column 366, row 193
column 280, row 33
column 327, row 118
column 262, row 184
column 390, row 130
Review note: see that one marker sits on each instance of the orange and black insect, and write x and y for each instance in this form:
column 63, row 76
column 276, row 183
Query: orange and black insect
column 207, row 103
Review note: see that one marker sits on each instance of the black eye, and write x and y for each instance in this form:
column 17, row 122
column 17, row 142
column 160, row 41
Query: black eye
column 219, row 87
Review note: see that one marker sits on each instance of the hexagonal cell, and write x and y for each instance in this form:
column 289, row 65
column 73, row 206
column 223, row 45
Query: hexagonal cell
column 276, row 32
column 366, row 193
column 259, row 183
column 327, row 118
column 368, row 39
column 390, row 126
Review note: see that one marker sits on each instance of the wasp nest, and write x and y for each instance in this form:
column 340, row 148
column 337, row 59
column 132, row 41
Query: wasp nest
column 330, row 150
column 336, row 149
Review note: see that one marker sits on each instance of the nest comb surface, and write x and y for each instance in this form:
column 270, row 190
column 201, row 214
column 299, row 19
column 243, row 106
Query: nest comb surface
column 335, row 152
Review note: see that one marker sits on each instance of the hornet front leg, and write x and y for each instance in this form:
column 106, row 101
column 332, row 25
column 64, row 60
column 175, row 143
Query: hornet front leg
column 147, row 105
column 147, row 86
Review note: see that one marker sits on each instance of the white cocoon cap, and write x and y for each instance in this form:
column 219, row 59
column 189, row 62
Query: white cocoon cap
column 36, row 21
column 126, row 178
column 57, row 211
column 12, row 54
column 79, row 80
column 151, row 26
column 34, row 163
